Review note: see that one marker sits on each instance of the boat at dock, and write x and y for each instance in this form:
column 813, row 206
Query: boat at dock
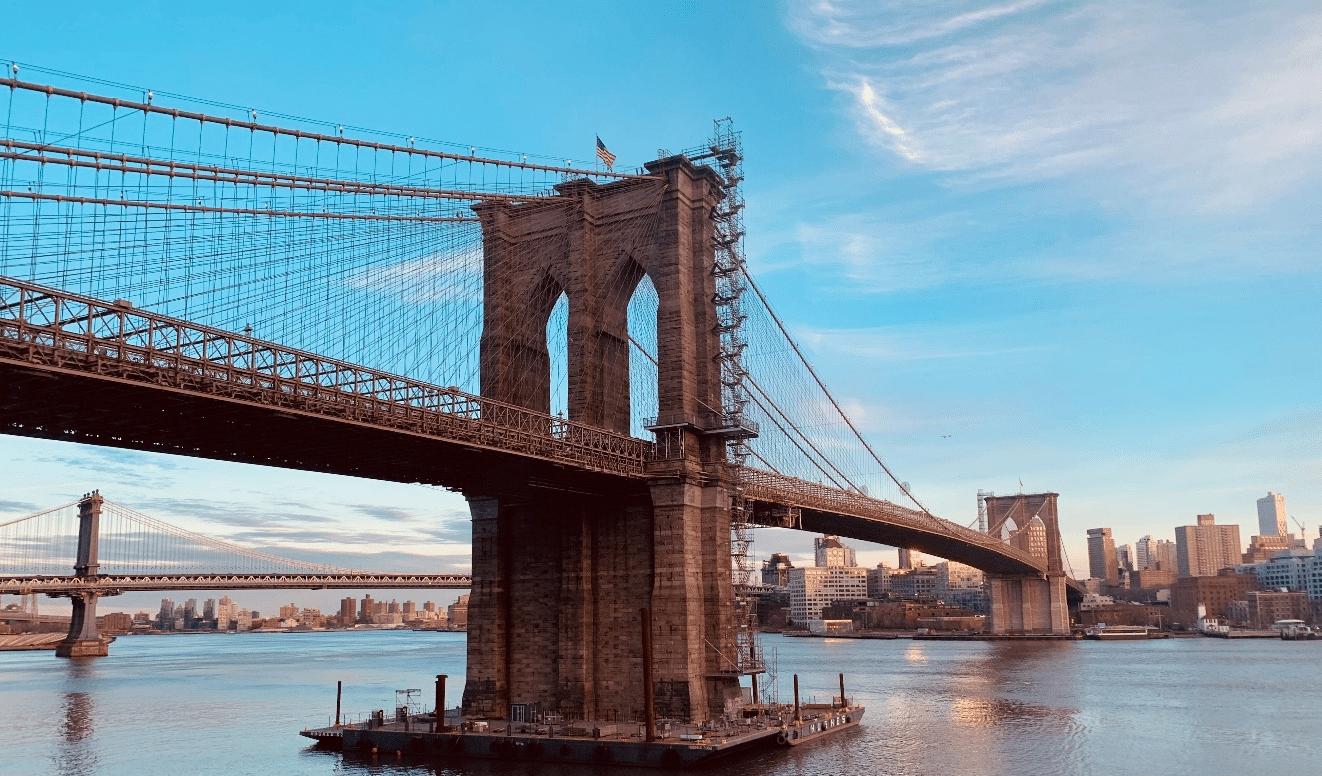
column 1103, row 632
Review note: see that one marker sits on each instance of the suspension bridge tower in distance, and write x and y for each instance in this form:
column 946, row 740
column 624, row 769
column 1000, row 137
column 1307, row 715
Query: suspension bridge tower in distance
column 83, row 639
column 562, row 569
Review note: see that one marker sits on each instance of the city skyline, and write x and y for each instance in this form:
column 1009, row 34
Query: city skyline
column 1121, row 279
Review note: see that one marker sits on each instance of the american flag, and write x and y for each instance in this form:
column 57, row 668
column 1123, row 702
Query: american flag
column 605, row 155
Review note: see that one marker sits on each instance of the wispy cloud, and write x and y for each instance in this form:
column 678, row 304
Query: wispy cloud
column 1210, row 106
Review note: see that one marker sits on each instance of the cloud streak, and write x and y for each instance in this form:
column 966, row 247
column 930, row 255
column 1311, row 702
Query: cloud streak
column 1212, row 108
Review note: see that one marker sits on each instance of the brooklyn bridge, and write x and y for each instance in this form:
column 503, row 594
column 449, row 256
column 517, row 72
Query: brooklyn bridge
column 580, row 351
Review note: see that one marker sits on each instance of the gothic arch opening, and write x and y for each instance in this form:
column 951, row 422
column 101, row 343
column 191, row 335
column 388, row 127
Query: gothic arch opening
column 557, row 349
column 643, row 388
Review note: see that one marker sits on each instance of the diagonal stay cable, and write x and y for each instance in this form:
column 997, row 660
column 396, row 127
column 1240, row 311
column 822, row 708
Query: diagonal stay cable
column 779, row 324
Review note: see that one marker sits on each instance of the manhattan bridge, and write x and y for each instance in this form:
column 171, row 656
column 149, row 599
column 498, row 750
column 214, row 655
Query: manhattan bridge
column 580, row 351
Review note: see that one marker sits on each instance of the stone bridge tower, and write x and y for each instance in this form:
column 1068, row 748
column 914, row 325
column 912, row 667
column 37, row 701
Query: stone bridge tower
column 1029, row 604
column 560, row 574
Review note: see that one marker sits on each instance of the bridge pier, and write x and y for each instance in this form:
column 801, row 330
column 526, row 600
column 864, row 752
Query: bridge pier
column 1028, row 605
column 83, row 640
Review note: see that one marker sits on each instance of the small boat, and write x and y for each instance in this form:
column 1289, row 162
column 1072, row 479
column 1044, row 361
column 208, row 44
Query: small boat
column 1103, row 632
column 1294, row 630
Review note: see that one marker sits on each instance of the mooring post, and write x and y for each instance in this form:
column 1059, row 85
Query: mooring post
column 649, row 691
column 752, row 663
column 339, row 691
column 440, row 702
column 797, row 717
column 842, row 691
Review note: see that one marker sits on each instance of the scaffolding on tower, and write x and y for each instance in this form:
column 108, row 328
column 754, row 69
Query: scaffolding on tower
column 725, row 155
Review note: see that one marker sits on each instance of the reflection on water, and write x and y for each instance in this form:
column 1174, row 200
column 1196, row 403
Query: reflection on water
column 76, row 755
column 1205, row 706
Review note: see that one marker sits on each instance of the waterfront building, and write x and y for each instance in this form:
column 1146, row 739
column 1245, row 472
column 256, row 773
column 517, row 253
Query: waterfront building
column 813, row 588
column 367, row 609
column 458, row 611
column 1203, row 550
column 209, row 610
column 165, row 619
column 1271, row 515
column 1215, row 593
column 910, row 558
column 289, row 612
column 243, row 620
column 227, row 613
column 117, row 622
column 831, row 553
column 1265, row 607
column 1101, row 556
column 776, row 570
column 348, row 612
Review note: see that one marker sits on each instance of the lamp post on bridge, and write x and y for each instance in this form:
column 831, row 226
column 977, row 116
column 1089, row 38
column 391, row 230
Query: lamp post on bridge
column 84, row 640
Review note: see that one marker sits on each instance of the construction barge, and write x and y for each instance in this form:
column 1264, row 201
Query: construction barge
column 546, row 738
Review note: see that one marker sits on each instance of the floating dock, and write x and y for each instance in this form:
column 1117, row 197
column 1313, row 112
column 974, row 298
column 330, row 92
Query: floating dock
column 676, row 746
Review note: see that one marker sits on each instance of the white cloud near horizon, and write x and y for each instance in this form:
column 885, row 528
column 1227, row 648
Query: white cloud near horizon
column 1210, row 107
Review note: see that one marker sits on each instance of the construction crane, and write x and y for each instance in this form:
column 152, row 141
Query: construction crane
column 1303, row 532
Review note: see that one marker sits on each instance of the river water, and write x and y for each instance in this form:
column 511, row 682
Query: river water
column 233, row 704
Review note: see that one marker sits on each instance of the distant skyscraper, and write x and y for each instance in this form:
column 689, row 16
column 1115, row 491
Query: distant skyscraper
column 1164, row 555
column 1124, row 557
column 1271, row 515
column 1101, row 556
column 832, row 554
column 348, row 611
column 776, row 570
column 209, row 609
column 1203, row 550
column 910, row 558
column 1143, row 553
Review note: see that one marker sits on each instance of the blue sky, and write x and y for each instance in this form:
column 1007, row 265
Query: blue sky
column 1074, row 244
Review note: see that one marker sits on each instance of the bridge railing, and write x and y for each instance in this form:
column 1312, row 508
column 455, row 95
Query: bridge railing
column 47, row 327
column 111, row 584
column 770, row 487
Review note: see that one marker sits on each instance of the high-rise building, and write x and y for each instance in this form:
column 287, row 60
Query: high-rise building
column 367, row 609
column 1032, row 538
column 1124, row 557
column 165, row 619
column 1164, row 555
column 1143, row 553
column 813, row 588
column 776, row 570
column 209, row 609
column 1204, row 549
column 831, row 553
column 879, row 580
column 1101, row 556
column 1271, row 515
column 226, row 613
column 910, row 558
column 348, row 611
